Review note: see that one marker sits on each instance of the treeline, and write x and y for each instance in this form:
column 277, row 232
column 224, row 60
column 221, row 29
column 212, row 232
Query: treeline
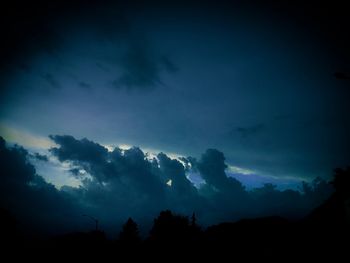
column 324, row 231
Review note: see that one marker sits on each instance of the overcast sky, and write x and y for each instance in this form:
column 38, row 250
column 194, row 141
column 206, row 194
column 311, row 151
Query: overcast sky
column 253, row 81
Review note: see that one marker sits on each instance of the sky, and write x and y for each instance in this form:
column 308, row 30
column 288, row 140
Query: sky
column 253, row 80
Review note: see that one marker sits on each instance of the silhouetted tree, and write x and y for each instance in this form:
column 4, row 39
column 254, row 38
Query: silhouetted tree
column 318, row 190
column 130, row 232
column 178, row 229
column 170, row 227
column 336, row 209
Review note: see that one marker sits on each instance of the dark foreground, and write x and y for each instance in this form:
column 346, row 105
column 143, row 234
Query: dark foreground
column 323, row 234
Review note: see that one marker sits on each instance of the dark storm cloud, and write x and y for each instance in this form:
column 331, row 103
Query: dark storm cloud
column 89, row 155
column 28, row 196
column 225, row 192
column 39, row 28
column 135, row 186
column 130, row 167
column 75, row 150
column 137, row 170
column 125, row 181
column 23, row 172
column 130, row 177
column 142, row 68
column 212, row 167
column 189, row 163
column 175, row 172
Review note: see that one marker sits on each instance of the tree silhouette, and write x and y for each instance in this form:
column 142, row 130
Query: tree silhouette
column 317, row 191
column 170, row 227
column 130, row 232
column 336, row 209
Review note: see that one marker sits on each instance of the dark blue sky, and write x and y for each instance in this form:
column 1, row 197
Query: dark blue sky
column 254, row 80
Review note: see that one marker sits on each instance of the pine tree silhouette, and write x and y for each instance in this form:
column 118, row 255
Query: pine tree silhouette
column 130, row 232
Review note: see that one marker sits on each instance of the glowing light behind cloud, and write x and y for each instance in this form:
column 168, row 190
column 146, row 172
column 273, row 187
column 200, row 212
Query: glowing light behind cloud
column 24, row 138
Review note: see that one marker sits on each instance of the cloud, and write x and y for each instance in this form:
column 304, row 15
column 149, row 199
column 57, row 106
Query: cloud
column 40, row 157
column 122, row 183
column 130, row 64
column 125, row 167
column 190, row 163
column 212, row 167
column 29, row 197
column 78, row 150
column 128, row 178
column 90, row 156
column 142, row 68
column 16, row 169
column 127, row 171
column 173, row 170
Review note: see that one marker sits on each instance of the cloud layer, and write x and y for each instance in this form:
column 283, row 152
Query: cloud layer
column 180, row 77
column 121, row 183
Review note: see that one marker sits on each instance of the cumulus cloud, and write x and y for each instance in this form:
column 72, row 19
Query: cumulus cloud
column 75, row 150
column 212, row 167
column 175, row 171
column 37, row 204
column 122, row 183
column 145, row 182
